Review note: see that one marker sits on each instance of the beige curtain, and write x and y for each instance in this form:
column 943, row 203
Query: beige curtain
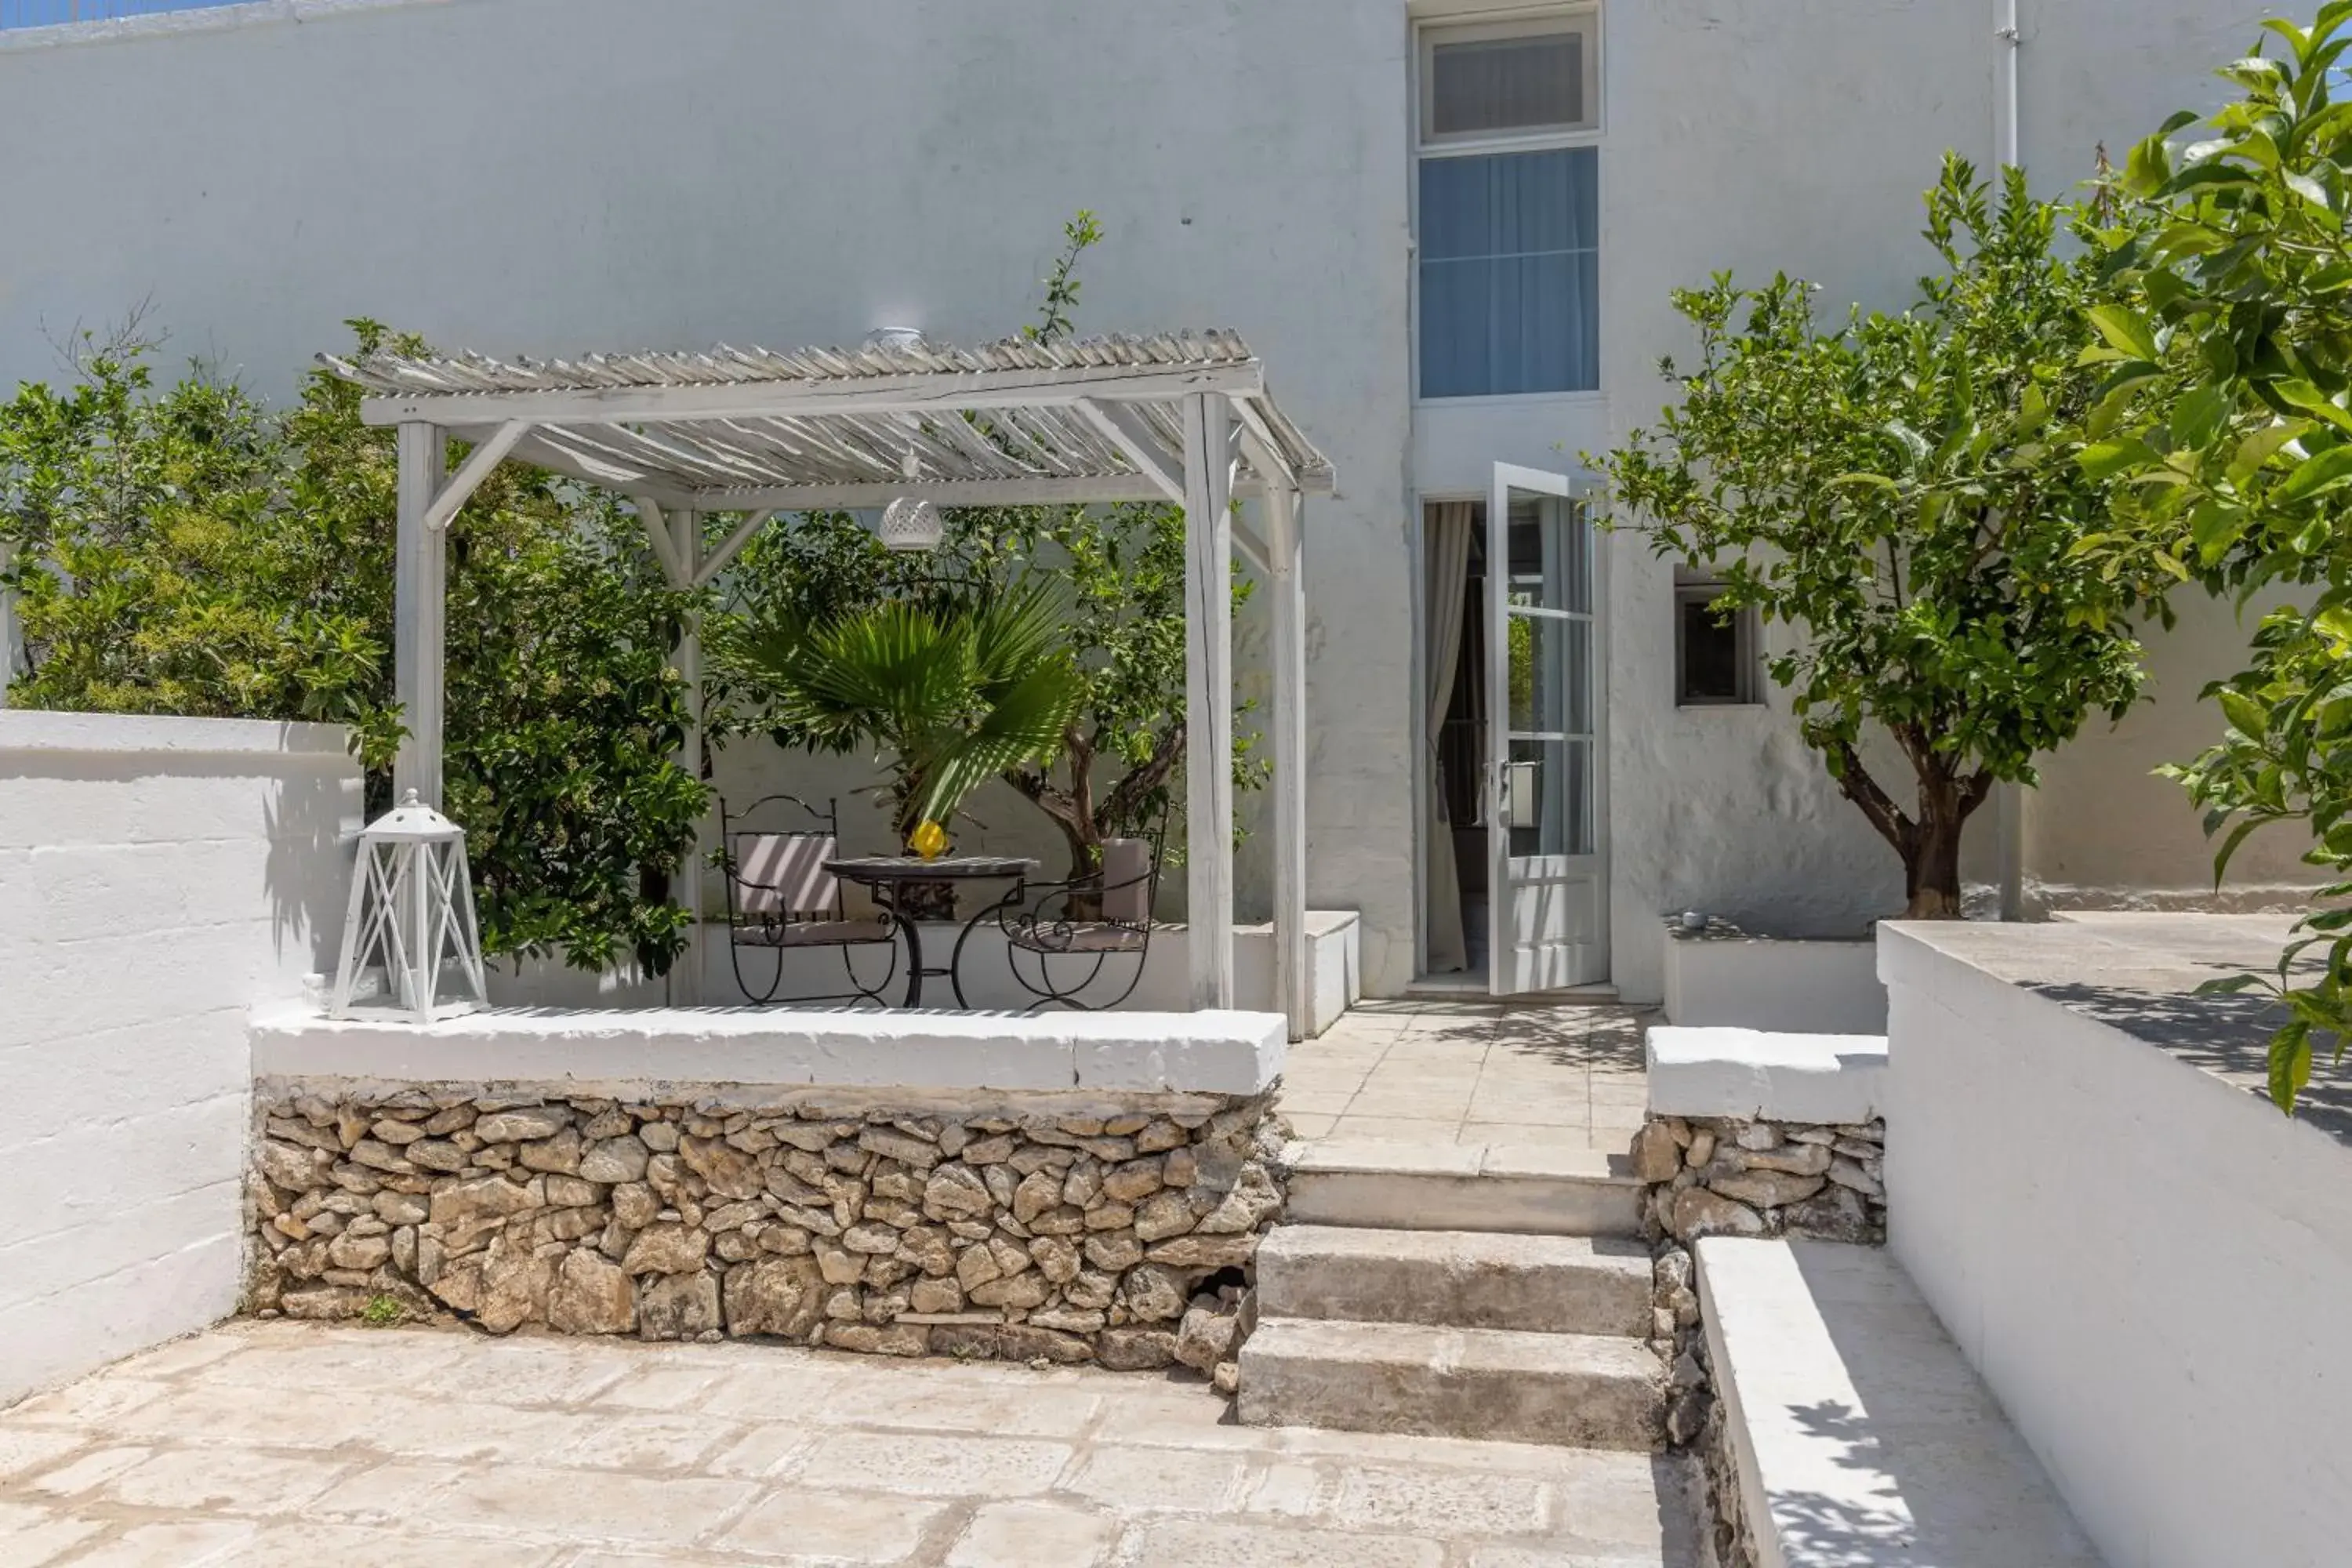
column 1448, row 543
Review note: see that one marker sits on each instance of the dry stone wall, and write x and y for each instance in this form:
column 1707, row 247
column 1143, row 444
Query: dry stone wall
column 1120, row 1237
column 1729, row 1176
column 1719, row 1176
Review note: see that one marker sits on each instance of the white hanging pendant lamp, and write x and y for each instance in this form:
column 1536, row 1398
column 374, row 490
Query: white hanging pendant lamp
column 909, row 522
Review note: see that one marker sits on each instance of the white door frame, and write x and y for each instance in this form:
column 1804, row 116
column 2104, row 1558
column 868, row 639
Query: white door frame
column 1508, row 477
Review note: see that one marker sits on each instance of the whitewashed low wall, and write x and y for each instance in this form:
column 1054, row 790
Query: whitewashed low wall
column 940, row 1053
column 2148, row 1264
column 1756, row 1133
column 158, row 878
column 1080, row 1187
column 1332, row 957
column 1761, row 982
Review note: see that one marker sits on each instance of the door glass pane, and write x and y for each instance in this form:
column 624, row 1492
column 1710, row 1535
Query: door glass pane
column 1552, row 554
column 1551, row 658
column 1509, row 245
column 1548, row 792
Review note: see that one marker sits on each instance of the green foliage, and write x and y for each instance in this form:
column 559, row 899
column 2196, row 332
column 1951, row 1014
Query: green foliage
column 1081, row 233
column 1122, row 572
column 384, row 1312
column 949, row 695
column 187, row 552
column 159, row 573
column 1904, row 490
column 2228, row 424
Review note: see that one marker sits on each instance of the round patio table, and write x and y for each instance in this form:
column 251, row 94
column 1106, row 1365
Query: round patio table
column 884, row 875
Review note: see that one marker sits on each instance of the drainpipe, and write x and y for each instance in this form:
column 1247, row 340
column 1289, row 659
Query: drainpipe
column 2009, row 799
column 2004, row 126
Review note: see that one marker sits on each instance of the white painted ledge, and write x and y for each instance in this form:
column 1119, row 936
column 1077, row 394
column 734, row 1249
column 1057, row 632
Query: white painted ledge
column 1181, row 1053
column 1861, row 1436
column 1751, row 1073
column 32, row 729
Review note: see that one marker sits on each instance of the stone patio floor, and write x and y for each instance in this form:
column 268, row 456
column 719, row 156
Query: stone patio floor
column 272, row 1445
column 1425, row 1071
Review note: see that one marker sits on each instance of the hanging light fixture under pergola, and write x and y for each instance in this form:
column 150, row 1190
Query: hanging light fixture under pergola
column 911, row 522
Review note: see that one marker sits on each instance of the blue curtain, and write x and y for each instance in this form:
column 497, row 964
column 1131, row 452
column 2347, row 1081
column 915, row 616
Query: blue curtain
column 1510, row 273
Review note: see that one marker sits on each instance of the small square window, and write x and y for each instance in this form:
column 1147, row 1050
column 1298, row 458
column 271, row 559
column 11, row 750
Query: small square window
column 1715, row 651
column 1508, row 80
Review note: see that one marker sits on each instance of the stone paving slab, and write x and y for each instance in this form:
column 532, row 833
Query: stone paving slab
column 259, row 1444
column 1473, row 1073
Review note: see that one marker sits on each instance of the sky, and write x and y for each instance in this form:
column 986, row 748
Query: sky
column 43, row 13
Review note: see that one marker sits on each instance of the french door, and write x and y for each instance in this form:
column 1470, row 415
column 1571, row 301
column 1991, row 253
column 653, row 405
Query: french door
column 1546, row 816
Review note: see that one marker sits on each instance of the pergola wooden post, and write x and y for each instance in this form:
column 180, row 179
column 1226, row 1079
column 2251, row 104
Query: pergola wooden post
column 686, row 546
column 1208, row 702
column 419, row 591
column 1182, row 418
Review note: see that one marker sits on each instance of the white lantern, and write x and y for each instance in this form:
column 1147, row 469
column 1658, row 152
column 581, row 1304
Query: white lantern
column 911, row 524
column 411, row 919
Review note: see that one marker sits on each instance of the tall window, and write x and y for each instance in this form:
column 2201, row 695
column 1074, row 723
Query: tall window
column 1510, row 209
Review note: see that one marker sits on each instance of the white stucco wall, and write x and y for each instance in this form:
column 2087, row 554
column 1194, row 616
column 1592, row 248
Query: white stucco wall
column 549, row 175
column 572, row 174
column 158, row 878
column 2147, row 1265
column 2104, row 831
column 1808, row 987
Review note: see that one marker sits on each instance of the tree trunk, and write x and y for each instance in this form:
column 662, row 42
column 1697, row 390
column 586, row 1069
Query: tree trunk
column 1931, row 871
column 1929, row 843
column 1931, row 851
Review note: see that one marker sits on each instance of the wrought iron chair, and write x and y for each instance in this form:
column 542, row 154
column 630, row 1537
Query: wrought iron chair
column 1086, row 923
column 779, row 897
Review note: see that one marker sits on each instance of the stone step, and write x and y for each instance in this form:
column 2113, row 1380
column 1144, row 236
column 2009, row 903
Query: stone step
column 1522, row 1189
column 1456, row 1278
column 1581, row 1390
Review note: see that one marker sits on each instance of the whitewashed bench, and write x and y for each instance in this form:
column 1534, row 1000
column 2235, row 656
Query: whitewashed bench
column 1858, row 1435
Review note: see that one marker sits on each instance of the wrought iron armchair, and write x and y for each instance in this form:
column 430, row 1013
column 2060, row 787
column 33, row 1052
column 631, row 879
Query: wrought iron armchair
column 779, row 898
column 1085, row 924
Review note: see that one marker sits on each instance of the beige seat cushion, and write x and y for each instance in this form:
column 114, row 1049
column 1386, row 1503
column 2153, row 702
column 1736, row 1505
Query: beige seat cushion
column 814, row 933
column 1082, row 936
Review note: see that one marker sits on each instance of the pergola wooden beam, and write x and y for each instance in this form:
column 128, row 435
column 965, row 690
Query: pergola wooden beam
column 862, row 395
column 461, row 485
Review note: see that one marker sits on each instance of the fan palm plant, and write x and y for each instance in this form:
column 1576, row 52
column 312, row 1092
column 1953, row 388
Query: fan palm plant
column 949, row 692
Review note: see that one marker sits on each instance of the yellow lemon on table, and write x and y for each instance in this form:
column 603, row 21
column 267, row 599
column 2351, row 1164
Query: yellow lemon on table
column 929, row 840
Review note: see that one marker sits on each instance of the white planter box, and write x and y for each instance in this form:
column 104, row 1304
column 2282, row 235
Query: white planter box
column 1765, row 983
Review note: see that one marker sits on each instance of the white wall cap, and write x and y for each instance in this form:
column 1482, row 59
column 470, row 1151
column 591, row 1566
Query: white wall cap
column 1860, row 1436
column 31, row 729
column 1197, row 1053
column 1751, row 1073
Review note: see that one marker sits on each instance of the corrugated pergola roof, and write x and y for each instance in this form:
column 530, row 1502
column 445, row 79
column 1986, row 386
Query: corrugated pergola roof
column 1008, row 423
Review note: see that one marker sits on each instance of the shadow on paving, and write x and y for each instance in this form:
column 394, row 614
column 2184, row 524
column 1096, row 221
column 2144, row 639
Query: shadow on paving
column 2227, row 1036
column 1947, row 1480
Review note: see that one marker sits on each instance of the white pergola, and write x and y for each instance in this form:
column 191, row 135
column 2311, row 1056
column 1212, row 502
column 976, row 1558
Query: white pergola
column 1183, row 418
